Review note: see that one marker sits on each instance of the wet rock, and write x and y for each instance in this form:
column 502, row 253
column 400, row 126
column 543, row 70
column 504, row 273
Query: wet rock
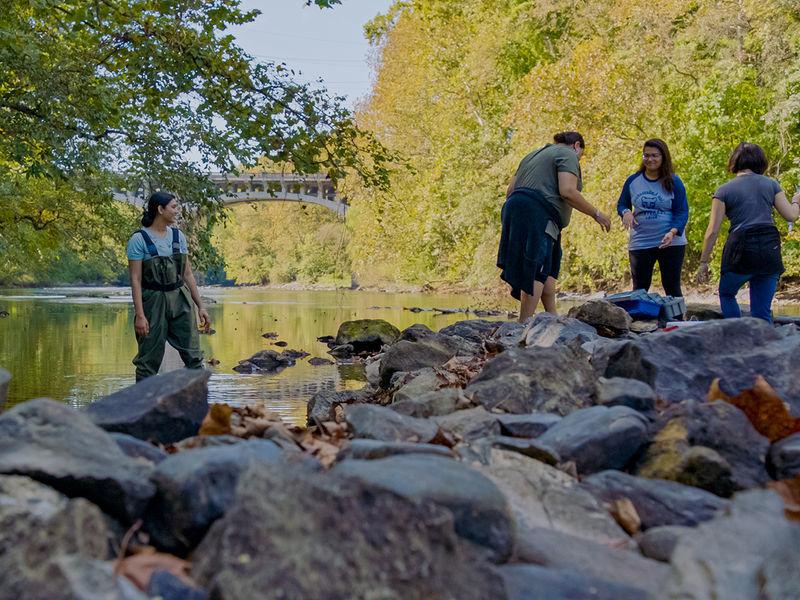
column 264, row 361
column 380, row 423
column 657, row 501
column 5, row 378
column 136, row 448
column 527, row 426
column 322, row 406
column 609, row 320
column 546, row 330
column 165, row 408
column 418, row 383
column 415, row 333
column 60, row 447
column 432, row 404
column 431, row 351
column 166, row 586
column 319, row 537
column 481, row 513
column 749, row 551
column 316, row 361
column 598, row 438
column 681, row 364
column 731, row 454
column 470, row 424
column 372, row 449
column 556, row 380
column 658, row 543
column 532, row 582
column 195, row 487
column 366, row 335
column 474, row 330
column 296, row 354
column 784, row 457
column 327, row 339
column 632, row 393
column 543, row 496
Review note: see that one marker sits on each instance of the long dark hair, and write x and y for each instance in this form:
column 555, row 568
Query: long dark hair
column 569, row 138
column 666, row 172
column 151, row 208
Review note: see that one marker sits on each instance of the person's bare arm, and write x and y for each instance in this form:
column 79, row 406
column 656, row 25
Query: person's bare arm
column 140, row 323
column 188, row 277
column 710, row 237
column 568, row 190
column 789, row 211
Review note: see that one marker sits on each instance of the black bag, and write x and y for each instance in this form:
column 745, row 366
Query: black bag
column 755, row 250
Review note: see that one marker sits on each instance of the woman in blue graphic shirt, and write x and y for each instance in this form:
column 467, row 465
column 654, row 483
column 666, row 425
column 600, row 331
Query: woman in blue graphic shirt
column 654, row 209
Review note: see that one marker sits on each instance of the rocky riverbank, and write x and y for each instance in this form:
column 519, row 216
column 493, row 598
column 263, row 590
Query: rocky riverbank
column 486, row 460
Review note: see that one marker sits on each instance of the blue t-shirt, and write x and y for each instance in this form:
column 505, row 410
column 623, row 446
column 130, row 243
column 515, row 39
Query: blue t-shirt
column 137, row 249
column 655, row 209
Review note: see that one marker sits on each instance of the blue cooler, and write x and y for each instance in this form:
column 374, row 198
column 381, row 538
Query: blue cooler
column 638, row 304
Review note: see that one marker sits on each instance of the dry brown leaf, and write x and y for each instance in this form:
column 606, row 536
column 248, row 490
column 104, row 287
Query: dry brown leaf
column 789, row 491
column 624, row 513
column 766, row 411
column 139, row 568
column 217, row 421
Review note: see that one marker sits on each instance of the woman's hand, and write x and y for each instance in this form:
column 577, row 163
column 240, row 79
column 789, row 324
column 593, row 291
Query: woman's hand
column 205, row 320
column 628, row 220
column 141, row 326
column 602, row 220
column 667, row 239
column 702, row 273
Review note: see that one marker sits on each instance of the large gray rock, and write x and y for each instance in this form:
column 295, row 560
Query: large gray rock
column 366, row 335
column 474, row 330
column 480, row 511
column 598, row 438
column 195, row 487
column 557, row 380
column 609, row 320
column 320, row 537
column 681, row 364
column 657, row 502
column 431, row 351
column 712, row 446
column 5, row 378
column 527, row 426
column 749, row 551
column 551, row 548
column 470, row 424
column 372, row 449
column 618, row 391
column 432, row 404
column 784, row 457
column 532, row 582
column 165, row 408
column 322, row 405
column 375, row 422
column 52, row 443
column 543, row 496
column 546, row 329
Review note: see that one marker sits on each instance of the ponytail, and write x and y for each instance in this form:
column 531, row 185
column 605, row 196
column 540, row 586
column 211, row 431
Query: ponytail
column 151, row 207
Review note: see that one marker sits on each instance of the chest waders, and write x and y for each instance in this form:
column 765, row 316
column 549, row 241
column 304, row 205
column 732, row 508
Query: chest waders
column 168, row 308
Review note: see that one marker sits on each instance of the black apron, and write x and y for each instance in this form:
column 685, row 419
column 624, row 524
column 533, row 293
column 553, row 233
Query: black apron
column 755, row 250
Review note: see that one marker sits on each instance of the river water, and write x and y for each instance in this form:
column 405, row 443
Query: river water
column 76, row 344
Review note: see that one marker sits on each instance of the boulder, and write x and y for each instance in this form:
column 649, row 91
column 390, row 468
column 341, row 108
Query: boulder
column 165, row 408
column 658, row 543
column 543, row 496
column 550, row 548
column 265, row 361
column 527, row 426
column 619, row 391
column 195, row 487
column 657, row 502
column 470, row 424
column 375, row 422
column 556, row 380
column 545, row 330
column 749, row 551
column 59, row 446
column 480, row 511
column 416, row 384
column 532, row 582
column 474, row 330
column 138, row 449
column 784, row 457
column 709, row 445
column 322, row 405
column 431, row 404
column 431, row 351
column 366, row 335
column 5, row 378
column 609, row 320
column 318, row 537
column 372, row 449
column 681, row 364
column 598, row 438
column 415, row 333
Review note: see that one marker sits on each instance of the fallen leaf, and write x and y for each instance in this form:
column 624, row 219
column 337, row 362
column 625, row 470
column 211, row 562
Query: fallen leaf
column 767, row 412
column 789, row 491
column 217, row 421
column 139, row 568
column 624, row 513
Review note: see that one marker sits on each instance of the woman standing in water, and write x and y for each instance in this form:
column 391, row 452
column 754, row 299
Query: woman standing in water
column 163, row 289
column 752, row 251
column 654, row 209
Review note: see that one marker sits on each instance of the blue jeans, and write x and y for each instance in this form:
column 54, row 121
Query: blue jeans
column 762, row 289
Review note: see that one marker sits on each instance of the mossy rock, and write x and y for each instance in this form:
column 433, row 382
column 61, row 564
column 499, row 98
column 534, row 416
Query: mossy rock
column 367, row 334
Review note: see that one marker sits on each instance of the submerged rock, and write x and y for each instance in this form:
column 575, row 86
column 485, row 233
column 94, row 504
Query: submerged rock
column 264, row 361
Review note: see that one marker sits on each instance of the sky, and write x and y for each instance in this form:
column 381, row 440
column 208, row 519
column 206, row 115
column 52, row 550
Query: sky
column 320, row 43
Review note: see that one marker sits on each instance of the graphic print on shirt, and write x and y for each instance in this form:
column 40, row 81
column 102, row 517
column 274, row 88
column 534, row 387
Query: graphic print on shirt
column 650, row 205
